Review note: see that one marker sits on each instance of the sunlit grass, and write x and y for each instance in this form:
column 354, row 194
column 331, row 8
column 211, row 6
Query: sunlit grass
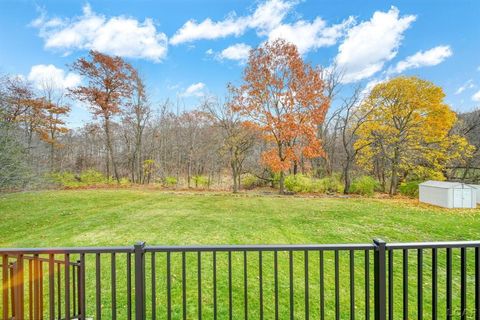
column 122, row 217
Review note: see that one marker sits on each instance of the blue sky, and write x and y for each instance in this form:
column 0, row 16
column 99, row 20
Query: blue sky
column 186, row 49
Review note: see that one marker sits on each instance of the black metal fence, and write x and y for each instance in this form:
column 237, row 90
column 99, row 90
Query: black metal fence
column 347, row 281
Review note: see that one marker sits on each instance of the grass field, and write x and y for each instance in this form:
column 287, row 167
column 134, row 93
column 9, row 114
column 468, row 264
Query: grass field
column 122, row 217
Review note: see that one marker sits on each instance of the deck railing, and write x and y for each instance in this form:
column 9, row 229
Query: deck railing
column 346, row 281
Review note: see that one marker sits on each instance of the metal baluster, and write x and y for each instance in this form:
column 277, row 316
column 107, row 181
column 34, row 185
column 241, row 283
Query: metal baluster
column 307, row 296
column 367, row 284
column 390, row 284
column 154, row 288
column 230, row 301
column 477, row 283
column 245, row 285
column 275, row 281
column 337, row 287
column 405, row 284
column 420, row 283
column 434, row 284
column 260, row 284
column 169, row 287
column 352, row 285
column 199, row 275
column 129, row 286
column 214, row 285
column 292, row 306
column 322, row 284
column 113, row 275
column 463, row 283
column 449, row 283
column 98, row 291
column 184, row 285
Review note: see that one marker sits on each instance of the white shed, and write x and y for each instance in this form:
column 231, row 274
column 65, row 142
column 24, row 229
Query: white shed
column 477, row 188
column 448, row 194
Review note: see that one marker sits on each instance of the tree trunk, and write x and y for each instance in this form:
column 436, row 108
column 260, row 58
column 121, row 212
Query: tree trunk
column 394, row 181
column 234, row 176
column 110, row 149
column 346, row 177
column 52, row 157
column 281, row 183
column 394, row 178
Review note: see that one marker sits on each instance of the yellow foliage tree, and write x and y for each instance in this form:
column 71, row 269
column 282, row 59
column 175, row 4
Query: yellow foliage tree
column 408, row 131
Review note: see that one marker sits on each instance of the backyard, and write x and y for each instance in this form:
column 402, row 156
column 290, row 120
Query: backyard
column 121, row 217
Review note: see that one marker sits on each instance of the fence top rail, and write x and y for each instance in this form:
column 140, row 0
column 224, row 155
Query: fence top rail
column 433, row 245
column 65, row 250
column 227, row 248
column 266, row 247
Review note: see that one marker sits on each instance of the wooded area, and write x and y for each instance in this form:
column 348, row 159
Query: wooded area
column 288, row 125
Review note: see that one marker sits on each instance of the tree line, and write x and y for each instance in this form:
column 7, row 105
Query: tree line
column 286, row 119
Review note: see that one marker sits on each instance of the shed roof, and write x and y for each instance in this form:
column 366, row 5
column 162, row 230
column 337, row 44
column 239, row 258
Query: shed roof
column 445, row 184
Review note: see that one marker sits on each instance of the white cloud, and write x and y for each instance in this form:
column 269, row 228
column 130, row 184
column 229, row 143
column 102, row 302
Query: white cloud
column 42, row 75
column 238, row 52
column 430, row 57
column 370, row 44
column 467, row 85
column 122, row 36
column 270, row 14
column 266, row 16
column 209, row 29
column 267, row 21
column 476, row 96
column 194, row 90
column 371, row 84
column 309, row 36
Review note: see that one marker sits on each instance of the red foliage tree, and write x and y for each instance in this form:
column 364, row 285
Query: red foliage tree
column 283, row 97
column 110, row 82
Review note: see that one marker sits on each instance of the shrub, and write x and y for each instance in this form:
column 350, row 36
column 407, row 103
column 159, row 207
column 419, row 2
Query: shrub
column 409, row 189
column 364, row 185
column 249, row 181
column 302, row 183
column 92, row 178
column 318, row 186
column 330, row 185
column 170, row 182
column 65, row 179
column 125, row 182
column 200, row 181
column 298, row 183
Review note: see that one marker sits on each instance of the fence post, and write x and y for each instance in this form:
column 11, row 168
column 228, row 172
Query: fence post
column 380, row 280
column 139, row 250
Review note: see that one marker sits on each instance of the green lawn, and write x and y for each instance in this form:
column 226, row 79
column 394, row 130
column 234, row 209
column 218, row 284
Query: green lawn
column 122, row 217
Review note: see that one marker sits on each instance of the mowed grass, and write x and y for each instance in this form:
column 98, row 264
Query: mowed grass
column 123, row 217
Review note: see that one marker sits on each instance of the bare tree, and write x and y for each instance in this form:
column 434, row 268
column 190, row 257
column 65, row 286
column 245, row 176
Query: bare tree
column 135, row 118
column 237, row 139
column 349, row 120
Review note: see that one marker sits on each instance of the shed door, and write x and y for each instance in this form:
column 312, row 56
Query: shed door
column 462, row 198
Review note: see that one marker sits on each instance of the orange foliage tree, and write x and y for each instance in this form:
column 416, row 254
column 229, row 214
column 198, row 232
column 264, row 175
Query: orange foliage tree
column 283, row 97
column 110, row 82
